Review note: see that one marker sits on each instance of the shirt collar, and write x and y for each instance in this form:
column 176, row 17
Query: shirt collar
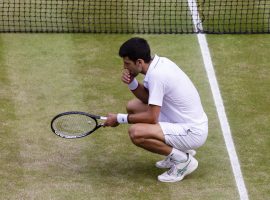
column 153, row 64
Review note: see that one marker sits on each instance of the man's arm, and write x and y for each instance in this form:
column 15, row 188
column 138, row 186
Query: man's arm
column 149, row 117
column 141, row 93
column 139, row 90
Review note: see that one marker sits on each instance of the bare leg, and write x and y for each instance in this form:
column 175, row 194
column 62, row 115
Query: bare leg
column 136, row 106
column 150, row 137
column 147, row 136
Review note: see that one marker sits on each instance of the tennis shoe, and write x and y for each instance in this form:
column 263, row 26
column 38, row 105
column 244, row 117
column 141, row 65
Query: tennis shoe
column 191, row 152
column 168, row 163
column 179, row 171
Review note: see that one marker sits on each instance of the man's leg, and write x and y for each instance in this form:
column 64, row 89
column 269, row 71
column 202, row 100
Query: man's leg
column 149, row 137
column 136, row 106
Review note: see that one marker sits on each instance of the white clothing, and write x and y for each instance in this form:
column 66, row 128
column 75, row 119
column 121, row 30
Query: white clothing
column 170, row 88
column 182, row 138
column 181, row 110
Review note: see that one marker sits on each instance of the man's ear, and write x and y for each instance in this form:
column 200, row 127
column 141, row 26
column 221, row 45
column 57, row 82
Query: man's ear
column 140, row 61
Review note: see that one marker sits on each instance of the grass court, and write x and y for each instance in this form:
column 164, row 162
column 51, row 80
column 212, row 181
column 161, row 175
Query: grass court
column 44, row 74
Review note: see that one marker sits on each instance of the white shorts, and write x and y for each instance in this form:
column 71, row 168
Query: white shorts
column 184, row 137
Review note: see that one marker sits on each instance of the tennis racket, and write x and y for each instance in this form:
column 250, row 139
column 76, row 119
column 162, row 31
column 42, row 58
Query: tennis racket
column 75, row 124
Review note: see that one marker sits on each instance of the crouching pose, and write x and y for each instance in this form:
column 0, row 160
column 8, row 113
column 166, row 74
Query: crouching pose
column 167, row 116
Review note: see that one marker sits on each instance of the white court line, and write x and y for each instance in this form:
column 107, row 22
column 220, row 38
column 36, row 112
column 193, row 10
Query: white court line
column 226, row 131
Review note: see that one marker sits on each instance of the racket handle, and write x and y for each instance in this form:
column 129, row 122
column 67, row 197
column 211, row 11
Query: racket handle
column 103, row 118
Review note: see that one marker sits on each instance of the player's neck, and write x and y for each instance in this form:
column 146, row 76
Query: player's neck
column 146, row 67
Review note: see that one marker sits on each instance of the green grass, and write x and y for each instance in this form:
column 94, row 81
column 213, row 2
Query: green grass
column 43, row 74
column 242, row 66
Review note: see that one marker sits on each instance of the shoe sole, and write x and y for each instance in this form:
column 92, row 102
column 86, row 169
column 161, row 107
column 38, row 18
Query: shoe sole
column 192, row 169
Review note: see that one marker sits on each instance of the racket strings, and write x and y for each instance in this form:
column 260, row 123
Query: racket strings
column 74, row 124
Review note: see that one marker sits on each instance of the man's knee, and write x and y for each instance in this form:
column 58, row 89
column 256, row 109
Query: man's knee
column 136, row 135
column 136, row 106
column 130, row 107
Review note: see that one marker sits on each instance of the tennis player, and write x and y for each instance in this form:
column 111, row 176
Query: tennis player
column 167, row 116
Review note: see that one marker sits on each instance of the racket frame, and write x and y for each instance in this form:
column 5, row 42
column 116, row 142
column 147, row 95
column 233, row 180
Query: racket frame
column 94, row 117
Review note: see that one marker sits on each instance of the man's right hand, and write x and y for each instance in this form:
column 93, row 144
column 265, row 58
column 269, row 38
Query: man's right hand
column 126, row 76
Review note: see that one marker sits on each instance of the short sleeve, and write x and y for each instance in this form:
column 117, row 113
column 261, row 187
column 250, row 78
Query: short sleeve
column 156, row 91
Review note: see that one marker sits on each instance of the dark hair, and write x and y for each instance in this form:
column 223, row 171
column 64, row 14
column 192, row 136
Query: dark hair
column 136, row 48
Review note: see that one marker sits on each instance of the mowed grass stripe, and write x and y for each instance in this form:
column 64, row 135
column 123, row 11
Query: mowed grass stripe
column 10, row 172
column 36, row 66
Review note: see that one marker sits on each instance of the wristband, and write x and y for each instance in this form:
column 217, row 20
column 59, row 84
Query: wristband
column 133, row 84
column 122, row 118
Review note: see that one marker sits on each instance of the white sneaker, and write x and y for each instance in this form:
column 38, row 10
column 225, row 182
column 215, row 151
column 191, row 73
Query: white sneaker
column 191, row 152
column 179, row 171
column 167, row 163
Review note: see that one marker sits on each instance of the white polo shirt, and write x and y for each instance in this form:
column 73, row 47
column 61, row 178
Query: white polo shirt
column 171, row 89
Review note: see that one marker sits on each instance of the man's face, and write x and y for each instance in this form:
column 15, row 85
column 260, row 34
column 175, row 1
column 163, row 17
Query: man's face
column 134, row 68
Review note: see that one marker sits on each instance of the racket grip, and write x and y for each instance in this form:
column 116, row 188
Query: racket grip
column 103, row 118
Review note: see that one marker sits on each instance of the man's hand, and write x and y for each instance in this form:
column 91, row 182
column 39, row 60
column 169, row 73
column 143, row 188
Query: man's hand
column 126, row 76
column 111, row 120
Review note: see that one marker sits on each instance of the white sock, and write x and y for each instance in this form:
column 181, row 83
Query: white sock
column 178, row 156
